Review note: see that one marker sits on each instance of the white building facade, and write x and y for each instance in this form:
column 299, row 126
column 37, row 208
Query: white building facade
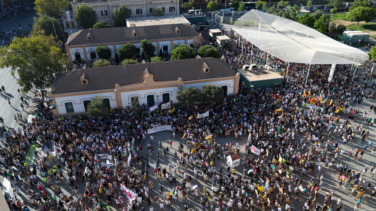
column 105, row 9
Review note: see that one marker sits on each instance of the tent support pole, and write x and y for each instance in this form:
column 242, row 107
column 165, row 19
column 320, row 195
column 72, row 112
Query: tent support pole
column 287, row 71
column 309, row 67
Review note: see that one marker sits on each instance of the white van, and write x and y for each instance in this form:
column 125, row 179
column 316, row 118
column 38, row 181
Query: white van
column 226, row 11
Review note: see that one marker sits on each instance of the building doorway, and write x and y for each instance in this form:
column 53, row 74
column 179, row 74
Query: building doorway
column 77, row 56
column 224, row 90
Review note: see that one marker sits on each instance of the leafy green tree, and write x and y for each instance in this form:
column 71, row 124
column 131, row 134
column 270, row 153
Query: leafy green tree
column 282, row 4
column 182, row 52
column 321, row 24
column 261, row 5
column 212, row 93
column 155, row 59
column 129, row 61
column 372, row 53
column 335, row 3
column 359, row 4
column 158, row 12
column 317, row 14
column 127, row 51
column 235, row 4
column 309, row 3
column 186, row 5
column 120, row 14
column 212, row 5
column 51, row 8
column 241, row 6
column 361, row 14
column 101, row 25
column 96, row 107
column 189, row 96
column 104, row 52
column 147, row 47
column 332, row 28
column 208, row 51
column 85, row 16
column 44, row 23
column 46, row 60
column 307, row 20
column 102, row 63
column 341, row 28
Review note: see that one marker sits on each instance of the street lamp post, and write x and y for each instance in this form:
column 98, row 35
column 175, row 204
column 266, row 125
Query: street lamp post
column 32, row 61
column 52, row 25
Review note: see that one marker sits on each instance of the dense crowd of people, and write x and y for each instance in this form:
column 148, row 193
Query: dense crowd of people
column 265, row 122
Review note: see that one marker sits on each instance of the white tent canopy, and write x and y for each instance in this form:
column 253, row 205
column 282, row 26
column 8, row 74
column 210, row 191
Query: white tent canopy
column 293, row 42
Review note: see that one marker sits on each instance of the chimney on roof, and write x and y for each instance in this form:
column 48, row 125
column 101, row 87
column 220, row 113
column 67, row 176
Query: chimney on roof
column 84, row 79
column 89, row 36
column 177, row 30
column 206, row 68
column 134, row 33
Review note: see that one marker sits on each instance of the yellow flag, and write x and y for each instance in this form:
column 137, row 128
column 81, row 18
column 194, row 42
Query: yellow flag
column 304, row 93
column 280, row 109
column 313, row 99
column 331, row 102
column 309, row 94
column 183, row 136
column 191, row 117
column 280, row 159
column 208, row 137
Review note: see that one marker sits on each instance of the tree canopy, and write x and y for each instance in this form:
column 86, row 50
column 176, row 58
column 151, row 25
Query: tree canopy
column 46, row 60
column 44, row 23
column 186, row 5
column 147, row 47
column 307, row 20
column 102, row 63
column 155, row 59
column 359, row 4
column 241, row 6
column 189, row 96
column 85, row 16
column 158, row 12
column 309, row 3
column 372, row 53
column 212, row 93
column 101, row 25
column 104, row 52
column 335, row 3
column 182, row 52
column 361, row 14
column 261, row 5
column 127, row 51
column 97, row 107
column 208, row 51
column 51, row 8
column 321, row 24
column 121, row 13
column 212, row 5
column 129, row 61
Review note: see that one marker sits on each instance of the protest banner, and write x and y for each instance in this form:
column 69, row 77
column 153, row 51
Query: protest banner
column 153, row 108
column 31, row 155
column 130, row 194
column 165, row 106
column 310, row 105
column 255, row 150
column 203, row 115
column 159, row 129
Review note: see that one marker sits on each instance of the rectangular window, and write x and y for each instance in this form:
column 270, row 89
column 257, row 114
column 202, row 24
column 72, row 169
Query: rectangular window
column 224, row 90
column 104, row 13
column 163, row 9
column 69, row 107
column 150, row 99
column 151, row 10
column 172, row 9
column 86, row 104
column 93, row 55
column 130, row 11
column 166, row 97
column 139, row 11
column 106, row 103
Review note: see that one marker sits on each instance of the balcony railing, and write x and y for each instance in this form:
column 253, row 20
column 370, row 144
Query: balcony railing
column 89, row 1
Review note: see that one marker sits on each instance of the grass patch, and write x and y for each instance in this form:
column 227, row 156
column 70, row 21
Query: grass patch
column 339, row 16
column 228, row 21
column 362, row 27
column 339, row 37
column 374, row 36
column 362, row 44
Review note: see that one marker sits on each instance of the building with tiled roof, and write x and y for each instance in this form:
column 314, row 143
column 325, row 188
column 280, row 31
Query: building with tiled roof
column 150, row 83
